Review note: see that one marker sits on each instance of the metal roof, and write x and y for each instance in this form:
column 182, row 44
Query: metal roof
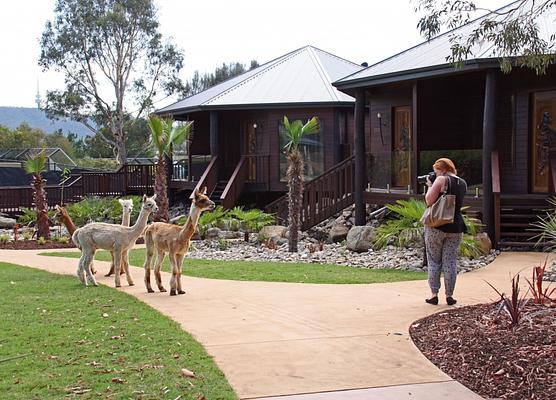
column 56, row 154
column 433, row 53
column 302, row 76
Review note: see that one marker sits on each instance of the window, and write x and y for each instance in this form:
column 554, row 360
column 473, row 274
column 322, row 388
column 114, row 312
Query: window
column 312, row 149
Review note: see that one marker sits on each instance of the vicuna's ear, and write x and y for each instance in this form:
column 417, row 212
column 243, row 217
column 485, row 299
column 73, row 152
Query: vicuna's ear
column 204, row 190
column 57, row 207
column 122, row 202
column 154, row 197
column 144, row 198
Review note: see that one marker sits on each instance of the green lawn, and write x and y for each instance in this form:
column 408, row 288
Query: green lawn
column 269, row 271
column 59, row 339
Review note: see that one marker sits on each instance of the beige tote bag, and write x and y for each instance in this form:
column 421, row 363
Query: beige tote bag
column 442, row 211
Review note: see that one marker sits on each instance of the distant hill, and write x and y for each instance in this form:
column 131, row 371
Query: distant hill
column 12, row 117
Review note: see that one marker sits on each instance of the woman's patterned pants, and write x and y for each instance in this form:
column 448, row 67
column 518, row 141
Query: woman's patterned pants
column 442, row 252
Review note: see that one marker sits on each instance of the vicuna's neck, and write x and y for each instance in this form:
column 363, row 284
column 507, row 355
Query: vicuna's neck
column 192, row 221
column 141, row 222
column 126, row 218
column 70, row 226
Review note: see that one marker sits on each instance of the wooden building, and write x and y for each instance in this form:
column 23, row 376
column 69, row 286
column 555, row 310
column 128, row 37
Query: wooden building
column 498, row 128
column 239, row 124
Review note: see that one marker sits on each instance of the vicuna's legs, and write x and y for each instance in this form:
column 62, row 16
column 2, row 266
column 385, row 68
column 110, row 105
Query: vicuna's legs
column 159, row 259
column 117, row 266
column 147, row 265
column 85, row 262
column 125, row 266
column 81, row 271
column 175, row 282
column 179, row 261
column 112, row 265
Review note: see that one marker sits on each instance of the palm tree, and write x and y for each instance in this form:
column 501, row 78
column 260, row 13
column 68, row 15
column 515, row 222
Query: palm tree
column 164, row 135
column 36, row 165
column 295, row 172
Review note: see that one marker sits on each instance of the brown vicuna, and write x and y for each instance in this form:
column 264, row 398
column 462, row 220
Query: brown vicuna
column 127, row 208
column 174, row 240
column 115, row 238
column 62, row 217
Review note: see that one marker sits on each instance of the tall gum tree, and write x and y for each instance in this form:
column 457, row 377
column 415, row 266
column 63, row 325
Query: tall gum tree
column 514, row 32
column 114, row 62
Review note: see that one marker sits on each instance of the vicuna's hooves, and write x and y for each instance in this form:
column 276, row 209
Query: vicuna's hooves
column 181, row 292
column 108, row 274
column 172, row 292
column 162, row 289
column 150, row 291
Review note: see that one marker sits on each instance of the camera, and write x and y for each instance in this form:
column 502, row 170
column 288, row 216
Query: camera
column 422, row 179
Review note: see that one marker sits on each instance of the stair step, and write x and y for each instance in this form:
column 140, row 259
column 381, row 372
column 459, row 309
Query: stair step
column 518, row 234
column 515, row 225
column 508, row 207
column 519, row 244
column 519, row 216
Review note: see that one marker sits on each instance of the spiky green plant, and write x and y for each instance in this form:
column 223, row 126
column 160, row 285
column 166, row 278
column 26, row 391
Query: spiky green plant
column 295, row 173
column 252, row 220
column 405, row 228
column 36, row 165
column 164, row 135
column 210, row 219
column 546, row 226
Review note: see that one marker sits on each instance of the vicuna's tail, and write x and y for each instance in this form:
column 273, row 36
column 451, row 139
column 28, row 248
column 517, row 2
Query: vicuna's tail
column 75, row 238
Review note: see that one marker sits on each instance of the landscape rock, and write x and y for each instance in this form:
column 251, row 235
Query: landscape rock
column 7, row 223
column 359, row 238
column 338, row 232
column 483, row 241
column 213, row 233
column 273, row 232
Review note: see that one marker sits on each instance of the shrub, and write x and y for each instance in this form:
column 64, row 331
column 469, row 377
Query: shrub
column 101, row 209
column 223, row 244
column 252, row 220
column 28, row 216
column 61, row 239
column 210, row 220
column 405, row 228
column 546, row 226
column 27, row 236
column 41, row 240
column 4, row 238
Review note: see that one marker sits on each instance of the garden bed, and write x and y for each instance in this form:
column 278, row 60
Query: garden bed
column 477, row 346
column 33, row 245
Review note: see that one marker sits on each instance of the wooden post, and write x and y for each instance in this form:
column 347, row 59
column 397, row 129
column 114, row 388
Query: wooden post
column 360, row 150
column 414, row 149
column 214, row 137
column 489, row 142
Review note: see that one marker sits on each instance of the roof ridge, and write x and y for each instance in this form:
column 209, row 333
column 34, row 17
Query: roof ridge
column 335, row 56
column 436, row 38
column 272, row 64
column 322, row 72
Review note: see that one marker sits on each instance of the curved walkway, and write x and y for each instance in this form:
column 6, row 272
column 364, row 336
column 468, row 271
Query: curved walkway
column 312, row 341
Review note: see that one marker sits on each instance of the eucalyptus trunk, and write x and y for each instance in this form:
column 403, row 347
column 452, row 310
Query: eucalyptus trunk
column 295, row 178
column 161, row 190
column 39, row 195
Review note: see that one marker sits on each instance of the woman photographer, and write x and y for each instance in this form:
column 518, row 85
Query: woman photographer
column 442, row 243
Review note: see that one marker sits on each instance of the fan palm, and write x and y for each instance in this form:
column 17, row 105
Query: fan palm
column 36, row 165
column 295, row 173
column 164, row 135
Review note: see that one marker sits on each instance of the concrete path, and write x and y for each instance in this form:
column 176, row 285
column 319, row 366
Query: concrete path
column 309, row 341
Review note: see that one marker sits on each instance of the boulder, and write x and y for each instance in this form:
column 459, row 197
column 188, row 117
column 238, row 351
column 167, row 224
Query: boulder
column 484, row 242
column 359, row 238
column 7, row 223
column 213, row 233
column 273, row 232
column 232, row 235
column 338, row 232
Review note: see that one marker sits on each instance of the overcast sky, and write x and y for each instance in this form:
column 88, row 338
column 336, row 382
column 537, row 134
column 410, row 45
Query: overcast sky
column 211, row 32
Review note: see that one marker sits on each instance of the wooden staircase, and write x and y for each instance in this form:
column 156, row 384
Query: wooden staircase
column 324, row 196
column 216, row 194
column 517, row 213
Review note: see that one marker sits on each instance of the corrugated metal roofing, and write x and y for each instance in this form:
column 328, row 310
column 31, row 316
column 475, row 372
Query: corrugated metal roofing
column 435, row 51
column 302, row 76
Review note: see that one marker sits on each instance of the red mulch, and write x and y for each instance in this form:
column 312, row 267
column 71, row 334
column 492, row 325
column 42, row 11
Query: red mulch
column 33, row 245
column 477, row 346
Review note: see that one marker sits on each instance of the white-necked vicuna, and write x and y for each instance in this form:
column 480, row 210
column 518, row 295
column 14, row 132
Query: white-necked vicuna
column 127, row 208
column 116, row 238
column 174, row 240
